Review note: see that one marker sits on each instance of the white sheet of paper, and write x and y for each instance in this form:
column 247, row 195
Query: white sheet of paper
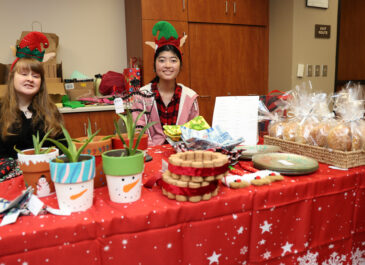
column 10, row 218
column 35, row 205
column 239, row 116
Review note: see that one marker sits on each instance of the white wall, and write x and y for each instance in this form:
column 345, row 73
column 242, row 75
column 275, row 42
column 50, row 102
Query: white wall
column 292, row 42
column 91, row 33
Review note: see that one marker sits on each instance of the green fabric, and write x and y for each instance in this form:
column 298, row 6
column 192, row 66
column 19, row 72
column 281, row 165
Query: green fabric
column 198, row 124
column 166, row 30
column 66, row 102
column 26, row 52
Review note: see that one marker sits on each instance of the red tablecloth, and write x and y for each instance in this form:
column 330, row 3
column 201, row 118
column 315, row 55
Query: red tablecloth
column 313, row 219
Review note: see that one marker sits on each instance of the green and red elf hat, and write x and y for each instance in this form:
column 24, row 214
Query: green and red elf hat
column 165, row 34
column 30, row 47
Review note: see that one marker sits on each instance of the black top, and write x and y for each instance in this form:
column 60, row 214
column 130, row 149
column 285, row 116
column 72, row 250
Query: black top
column 23, row 138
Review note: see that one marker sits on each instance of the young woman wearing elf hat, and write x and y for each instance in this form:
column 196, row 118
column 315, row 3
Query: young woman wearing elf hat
column 26, row 107
column 174, row 104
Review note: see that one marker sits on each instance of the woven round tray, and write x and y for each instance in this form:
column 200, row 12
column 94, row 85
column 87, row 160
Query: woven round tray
column 193, row 176
column 187, row 189
column 198, row 160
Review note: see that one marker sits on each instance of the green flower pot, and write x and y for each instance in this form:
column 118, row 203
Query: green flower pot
column 123, row 175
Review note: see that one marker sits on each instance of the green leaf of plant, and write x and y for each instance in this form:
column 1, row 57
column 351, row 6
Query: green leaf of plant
column 132, row 129
column 63, row 148
column 17, row 150
column 120, row 137
column 46, row 151
column 148, row 125
column 36, row 143
column 44, row 138
column 107, row 137
column 84, row 145
column 89, row 131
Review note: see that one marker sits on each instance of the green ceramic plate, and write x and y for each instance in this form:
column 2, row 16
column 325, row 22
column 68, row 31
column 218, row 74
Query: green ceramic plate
column 250, row 150
column 285, row 163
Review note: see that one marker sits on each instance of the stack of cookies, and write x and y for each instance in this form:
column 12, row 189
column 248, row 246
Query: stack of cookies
column 193, row 176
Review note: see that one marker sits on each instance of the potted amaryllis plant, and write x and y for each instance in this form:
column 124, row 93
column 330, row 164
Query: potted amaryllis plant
column 124, row 167
column 96, row 147
column 73, row 174
column 34, row 163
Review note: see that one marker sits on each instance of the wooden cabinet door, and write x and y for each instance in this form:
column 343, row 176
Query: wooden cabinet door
column 170, row 10
column 250, row 12
column 148, row 52
column 213, row 11
column 76, row 123
column 103, row 120
column 227, row 60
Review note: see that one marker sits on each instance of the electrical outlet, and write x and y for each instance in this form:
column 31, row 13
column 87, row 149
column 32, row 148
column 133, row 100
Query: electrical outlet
column 324, row 69
column 309, row 70
column 317, row 70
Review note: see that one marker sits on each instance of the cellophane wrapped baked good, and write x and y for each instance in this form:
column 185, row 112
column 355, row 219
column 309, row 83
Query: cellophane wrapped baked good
column 276, row 118
column 348, row 134
column 301, row 115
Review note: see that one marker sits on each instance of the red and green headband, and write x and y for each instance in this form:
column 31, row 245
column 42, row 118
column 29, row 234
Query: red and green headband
column 30, row 47
column 165, row 34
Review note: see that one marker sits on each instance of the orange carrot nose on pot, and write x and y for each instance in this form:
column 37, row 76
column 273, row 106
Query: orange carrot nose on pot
column 36, row 171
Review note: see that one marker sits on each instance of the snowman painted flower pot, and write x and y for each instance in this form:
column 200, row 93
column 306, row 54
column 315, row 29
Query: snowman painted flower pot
column 36, row 171
column 74, row 183
column 123, row 175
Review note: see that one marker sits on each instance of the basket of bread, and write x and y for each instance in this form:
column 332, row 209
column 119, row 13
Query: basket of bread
column 335, row 137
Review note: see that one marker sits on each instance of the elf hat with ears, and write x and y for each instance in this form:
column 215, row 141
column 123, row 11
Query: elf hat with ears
column 167, row 36
column 30, row 47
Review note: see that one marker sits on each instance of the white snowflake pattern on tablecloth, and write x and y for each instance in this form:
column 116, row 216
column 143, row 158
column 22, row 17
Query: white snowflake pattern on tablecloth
column 308, row 259
column 286, row 248
column 214, row 258
column 243, row 250
column 234, row 216
column 240, row 230
column 265, row 227
column 262, row 242
column 335, row 259
column 266, row 255
column 358, row 257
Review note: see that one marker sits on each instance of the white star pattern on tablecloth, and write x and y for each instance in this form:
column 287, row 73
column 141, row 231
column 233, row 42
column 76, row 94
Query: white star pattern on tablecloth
column 240, row 230
column 214, row 258
column 266, row 255
column 262, row 242
column 286, row 248
column 265, row 227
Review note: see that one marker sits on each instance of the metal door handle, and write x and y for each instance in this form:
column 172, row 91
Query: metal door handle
column 183, row 5
column 96, row 126
column 226, row 7
column 234, row 7
column 85, row 128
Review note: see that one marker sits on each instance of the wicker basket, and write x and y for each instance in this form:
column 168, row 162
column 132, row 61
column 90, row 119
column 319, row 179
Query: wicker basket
column 324, row 155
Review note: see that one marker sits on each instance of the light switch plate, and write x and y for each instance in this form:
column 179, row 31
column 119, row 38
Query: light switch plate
column 300, row 72
column 309, row 70
column 324, row 69
column 317, row 70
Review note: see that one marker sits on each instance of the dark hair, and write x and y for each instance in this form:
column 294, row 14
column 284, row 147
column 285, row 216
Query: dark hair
column 165, row 48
